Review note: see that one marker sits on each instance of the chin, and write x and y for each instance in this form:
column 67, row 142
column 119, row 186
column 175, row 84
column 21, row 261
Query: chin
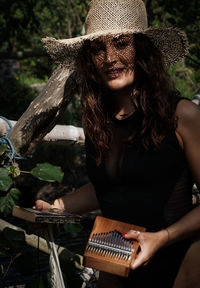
column 119, row 85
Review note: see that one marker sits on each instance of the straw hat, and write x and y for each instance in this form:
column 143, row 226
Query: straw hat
column 113, row 17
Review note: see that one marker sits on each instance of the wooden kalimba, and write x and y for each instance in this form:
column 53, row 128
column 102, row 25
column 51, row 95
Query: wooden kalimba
column 107, row 250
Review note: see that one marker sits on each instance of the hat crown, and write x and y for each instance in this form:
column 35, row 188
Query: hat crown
column 106, row 15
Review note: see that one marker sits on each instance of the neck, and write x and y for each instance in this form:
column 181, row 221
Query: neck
column 123, row 104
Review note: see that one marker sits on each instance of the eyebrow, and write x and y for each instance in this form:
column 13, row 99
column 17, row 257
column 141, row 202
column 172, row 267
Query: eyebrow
column 114, row 39
column 120, row 37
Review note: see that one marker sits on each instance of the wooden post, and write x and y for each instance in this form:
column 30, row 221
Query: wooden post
column 44, row 111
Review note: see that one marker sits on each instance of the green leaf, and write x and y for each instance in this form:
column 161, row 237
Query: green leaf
column 15, row 239
column 2, row 253
column 15, row 193
column 2, row 148
column 73, row 229
column 7, row 202
column 5, row 180
column 15, row 171
column 48, row 172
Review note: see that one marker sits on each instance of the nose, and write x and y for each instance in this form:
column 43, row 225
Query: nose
column 110, row 54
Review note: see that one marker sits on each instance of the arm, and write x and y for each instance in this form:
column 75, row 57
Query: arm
column 188, row 134
column 80, row 201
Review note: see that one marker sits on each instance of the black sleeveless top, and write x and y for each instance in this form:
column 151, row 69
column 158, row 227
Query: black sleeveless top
column 150, row 188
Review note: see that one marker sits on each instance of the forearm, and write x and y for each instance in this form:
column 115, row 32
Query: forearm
column 151, row 242
column 81, row 200
column 187, row 226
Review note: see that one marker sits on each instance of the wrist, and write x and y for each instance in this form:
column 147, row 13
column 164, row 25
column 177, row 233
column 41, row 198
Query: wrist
column 58, row 204
column 163, row 237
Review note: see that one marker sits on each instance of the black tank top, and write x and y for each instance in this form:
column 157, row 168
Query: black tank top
column 150, row 188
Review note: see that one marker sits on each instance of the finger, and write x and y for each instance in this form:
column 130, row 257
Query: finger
column 132, row 234
column 39, row 205
column 139, row 261
column 145, row 263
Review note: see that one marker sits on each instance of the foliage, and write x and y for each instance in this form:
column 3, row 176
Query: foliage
column 12, row 242
column 9, row 194
column 184, row 15
column 184, row 79
column 48, row 172
column 73, row 229
column 23, row 24
column 5, row 180
column 14, row 245
column 15, row 97
column 12, row 239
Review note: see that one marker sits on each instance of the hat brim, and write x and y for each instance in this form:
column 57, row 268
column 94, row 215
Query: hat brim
column 172, row 42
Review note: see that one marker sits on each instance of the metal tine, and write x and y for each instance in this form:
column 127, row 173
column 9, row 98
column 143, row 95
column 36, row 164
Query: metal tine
column 95, row 249
column 129, row 250
column 114, row 241
column 98, row 250
column 109, row 243
column 126, row 255
column 119, row 244
column 93, row 240
column 122, row 247
column 90, row 244
column 103, row 238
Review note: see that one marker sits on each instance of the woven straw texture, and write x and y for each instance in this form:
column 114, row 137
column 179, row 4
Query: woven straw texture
column 116, row 17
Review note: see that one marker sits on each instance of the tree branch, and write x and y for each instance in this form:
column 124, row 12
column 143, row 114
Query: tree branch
column 60, row 133
column 44, row 112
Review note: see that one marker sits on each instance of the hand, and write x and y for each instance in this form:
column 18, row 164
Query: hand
column 149, row 243
column 37, row 228
column 41, row 205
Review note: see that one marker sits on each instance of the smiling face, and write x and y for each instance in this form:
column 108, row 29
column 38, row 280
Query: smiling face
column 114, row 57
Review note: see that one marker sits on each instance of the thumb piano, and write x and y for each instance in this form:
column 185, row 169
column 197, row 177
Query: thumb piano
column 107, row 250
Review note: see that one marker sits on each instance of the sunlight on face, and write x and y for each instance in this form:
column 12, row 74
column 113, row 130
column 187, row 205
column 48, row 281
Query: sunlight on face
column 114, row 57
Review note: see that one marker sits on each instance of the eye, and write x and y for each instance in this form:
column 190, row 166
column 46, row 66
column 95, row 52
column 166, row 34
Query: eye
column 97, row 48
column 122, row 44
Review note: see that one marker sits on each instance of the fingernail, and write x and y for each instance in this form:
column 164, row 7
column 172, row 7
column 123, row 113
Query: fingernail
column 124, row 234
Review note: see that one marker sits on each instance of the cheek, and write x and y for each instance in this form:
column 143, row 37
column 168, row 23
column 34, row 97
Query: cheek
column 128, row 58
column 98, row 62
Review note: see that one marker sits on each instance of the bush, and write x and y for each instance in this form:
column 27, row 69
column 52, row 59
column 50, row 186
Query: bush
column 15, row 97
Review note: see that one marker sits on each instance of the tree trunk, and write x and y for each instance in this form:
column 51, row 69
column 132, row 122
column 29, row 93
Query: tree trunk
column 44, row 112
column 33, row 241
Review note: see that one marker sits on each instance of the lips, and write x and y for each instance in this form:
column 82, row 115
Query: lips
column 114, row 73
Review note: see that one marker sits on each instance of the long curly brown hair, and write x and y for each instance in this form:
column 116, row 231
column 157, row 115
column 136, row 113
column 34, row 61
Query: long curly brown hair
column 153, row 95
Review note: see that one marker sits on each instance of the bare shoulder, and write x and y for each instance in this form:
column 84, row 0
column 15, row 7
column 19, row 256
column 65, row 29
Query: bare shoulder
column 188, row 115
column 187, row 110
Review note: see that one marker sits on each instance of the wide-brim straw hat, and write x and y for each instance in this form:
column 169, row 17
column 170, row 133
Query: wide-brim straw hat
column 116, row 17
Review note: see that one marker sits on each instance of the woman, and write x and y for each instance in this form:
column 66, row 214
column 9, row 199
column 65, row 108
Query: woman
column 142, row 139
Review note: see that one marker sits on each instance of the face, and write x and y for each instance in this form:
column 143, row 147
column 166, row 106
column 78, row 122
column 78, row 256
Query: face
column 114, row 57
